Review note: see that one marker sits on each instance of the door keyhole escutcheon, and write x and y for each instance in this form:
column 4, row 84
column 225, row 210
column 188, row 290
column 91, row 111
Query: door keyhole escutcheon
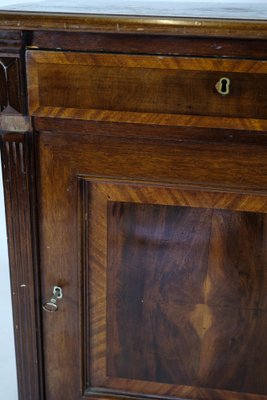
column 223, row 86
column 51, row 306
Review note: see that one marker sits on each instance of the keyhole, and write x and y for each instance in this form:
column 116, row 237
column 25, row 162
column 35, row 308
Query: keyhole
column 223, row 86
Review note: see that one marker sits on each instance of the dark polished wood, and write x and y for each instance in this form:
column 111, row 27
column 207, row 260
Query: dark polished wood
column 142, row 320
column 201, row 164
column 167, row 281
column 13, row 98
column 155, row 132
column 17, row 153
column 146, row 84
column 148, row 44
column 12, row 91
column 10, row 41
column 187, row 273
column 10, row 86
column 141, row 191
column 17, row 164
column 70, row 239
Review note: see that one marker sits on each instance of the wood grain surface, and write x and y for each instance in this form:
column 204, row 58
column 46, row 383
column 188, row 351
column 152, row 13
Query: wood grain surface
column 147, row 44
column 203, row 164
column 181, row 293
column 187, row 296
column 93, row 182
column 119, row 85
column 20, row 202
column 142, row 193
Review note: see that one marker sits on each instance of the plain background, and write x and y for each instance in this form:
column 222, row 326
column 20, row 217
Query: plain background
column 8, row 386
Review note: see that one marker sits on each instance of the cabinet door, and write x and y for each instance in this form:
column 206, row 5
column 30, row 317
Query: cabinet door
column 162, row 260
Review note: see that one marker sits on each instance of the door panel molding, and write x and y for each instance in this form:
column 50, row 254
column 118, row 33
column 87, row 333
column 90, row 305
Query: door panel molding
column 97, row 201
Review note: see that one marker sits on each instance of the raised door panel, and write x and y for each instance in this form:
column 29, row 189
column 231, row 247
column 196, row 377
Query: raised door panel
column 176, row 293
column 164, row 283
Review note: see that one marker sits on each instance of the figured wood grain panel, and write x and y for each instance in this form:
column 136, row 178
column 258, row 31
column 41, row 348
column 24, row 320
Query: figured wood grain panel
column 172, row 301
column 236, row 291
column 168, row 321
column 78, row 83
column 157, row 264
column 124, row 191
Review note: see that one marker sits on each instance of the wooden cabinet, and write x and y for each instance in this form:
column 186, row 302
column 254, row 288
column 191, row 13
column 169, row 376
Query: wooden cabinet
column 136, row 191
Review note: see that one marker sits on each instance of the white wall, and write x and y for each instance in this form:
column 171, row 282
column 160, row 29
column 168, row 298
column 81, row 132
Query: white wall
column 8, row 379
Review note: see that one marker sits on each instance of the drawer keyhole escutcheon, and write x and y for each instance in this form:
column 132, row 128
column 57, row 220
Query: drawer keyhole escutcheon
column 51, row 306
column 223, row 86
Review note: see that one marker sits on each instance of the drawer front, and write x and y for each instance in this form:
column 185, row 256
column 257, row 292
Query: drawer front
column 87, row 85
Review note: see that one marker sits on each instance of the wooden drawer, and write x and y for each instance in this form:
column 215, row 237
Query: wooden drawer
column 108, row 86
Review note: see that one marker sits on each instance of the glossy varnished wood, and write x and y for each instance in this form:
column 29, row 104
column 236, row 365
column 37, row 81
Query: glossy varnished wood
column 187, row 273
column 151, row 216
column 75, row 241
column 144, row 85
column 132, row 295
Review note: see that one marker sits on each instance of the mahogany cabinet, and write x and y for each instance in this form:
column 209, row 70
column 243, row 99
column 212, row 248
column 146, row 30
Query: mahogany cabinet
column 135, row 176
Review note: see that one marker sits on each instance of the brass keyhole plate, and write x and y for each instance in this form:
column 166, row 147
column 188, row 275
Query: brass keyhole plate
column 223, row 86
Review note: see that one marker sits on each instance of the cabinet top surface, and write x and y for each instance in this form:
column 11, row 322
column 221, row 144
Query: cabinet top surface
column 231, row 18
column 229, row 9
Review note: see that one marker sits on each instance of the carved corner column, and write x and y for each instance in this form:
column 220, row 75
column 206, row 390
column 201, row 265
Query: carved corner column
column 17, row 150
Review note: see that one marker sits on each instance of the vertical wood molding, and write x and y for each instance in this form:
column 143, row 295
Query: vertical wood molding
column 19, row 190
